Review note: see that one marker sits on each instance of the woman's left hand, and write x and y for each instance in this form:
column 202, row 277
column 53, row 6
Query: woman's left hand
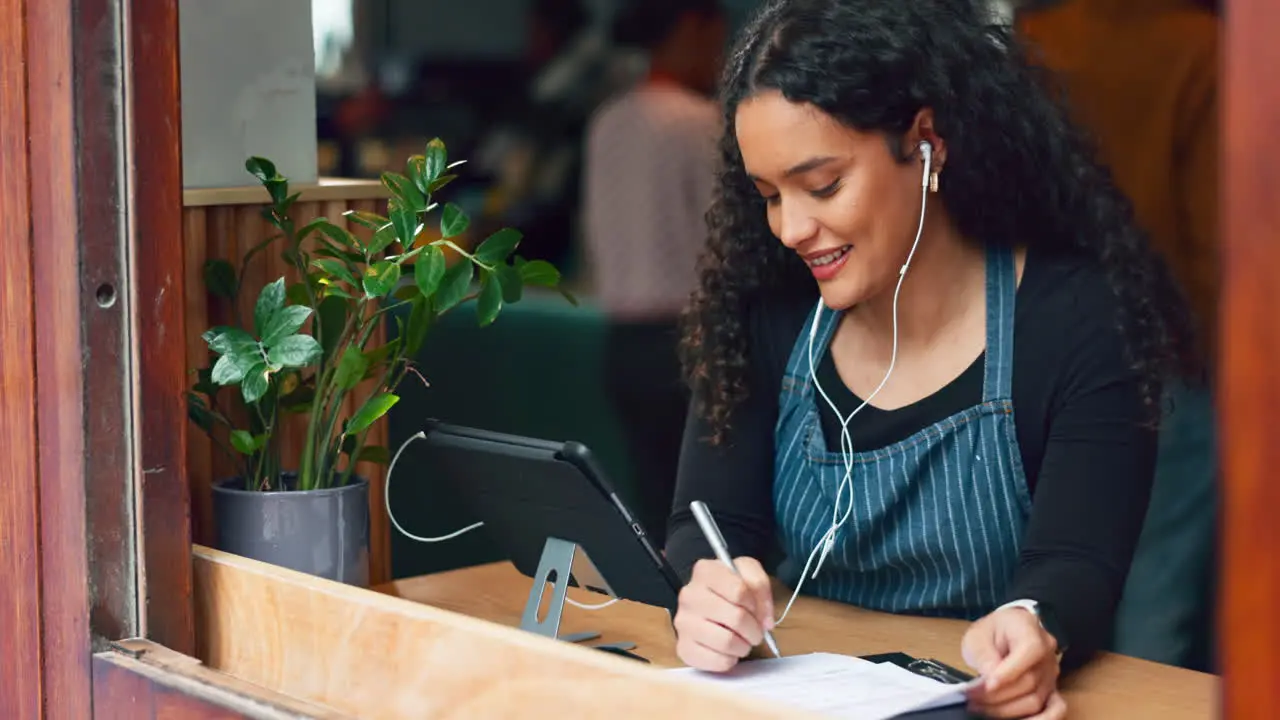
column 1019, row 664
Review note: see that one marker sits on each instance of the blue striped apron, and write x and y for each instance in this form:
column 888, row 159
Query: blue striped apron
column 937, row 517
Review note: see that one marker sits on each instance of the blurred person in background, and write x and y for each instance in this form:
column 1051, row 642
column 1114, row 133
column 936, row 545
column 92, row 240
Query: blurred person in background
column 649, row 172
column 534, row 153
column 1142, row 77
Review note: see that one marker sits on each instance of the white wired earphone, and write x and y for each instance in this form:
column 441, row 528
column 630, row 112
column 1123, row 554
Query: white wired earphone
column 828, row 541
column 386, row 499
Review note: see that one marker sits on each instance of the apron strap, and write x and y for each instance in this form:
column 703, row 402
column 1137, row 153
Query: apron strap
column 1002, row 287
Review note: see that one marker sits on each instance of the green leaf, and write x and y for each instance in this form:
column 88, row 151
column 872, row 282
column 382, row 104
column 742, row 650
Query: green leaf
column 295, row 351
column 204, row 382
column 243, row 442
column 440, row 182
column 286, row 382
column 220, row 278
column 230, row 369
column 375, row 408
column 261, row 168
column 512, row 285
column 429, row 269
column 403, row 189
column 262, row 245
column 373, row 221
column 376, row 357
column 348, row 445
column 270, row 300
column 498, row 246
column 383, row 237
column 198, row 412
column 404, row 225
column 453, row 221
column 454, row 286
column 420, row 320
column 416, row 168
column 351, row 367
column 285, row 323
column 297, row 294
column 381, row 278
column 229, row 340
column 337, row 270
column 298, row 401
column 374, row 454
column 278, row 188
column 569, row 296
column 333, row 316
column 403, row 258
column 437, row 159
column 255, row 383
column 540, row 272
column 328, row 248
column 490, row 300
column 340, row 235
column 306, row 230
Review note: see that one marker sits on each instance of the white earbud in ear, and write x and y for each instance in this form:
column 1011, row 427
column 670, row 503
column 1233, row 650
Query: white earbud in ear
column 926, row 152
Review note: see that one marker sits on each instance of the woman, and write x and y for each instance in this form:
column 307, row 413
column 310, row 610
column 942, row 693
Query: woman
column 964, row 413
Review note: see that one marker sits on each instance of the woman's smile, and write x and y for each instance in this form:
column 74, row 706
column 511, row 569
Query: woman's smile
column 826, row 264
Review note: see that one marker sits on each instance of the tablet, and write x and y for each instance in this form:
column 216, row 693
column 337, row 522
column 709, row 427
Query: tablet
column 528, row 490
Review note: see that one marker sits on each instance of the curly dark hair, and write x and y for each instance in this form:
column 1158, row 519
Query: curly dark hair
column 1018, row 172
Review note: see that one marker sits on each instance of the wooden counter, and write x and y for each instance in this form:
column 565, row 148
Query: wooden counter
column 224, row 223
column 1112, row 686
column 365, row 654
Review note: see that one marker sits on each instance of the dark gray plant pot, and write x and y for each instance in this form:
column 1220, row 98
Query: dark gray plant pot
column 319, row 532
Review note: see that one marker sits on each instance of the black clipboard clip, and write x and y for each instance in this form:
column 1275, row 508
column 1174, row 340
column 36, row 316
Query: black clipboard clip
column 934, row 670
column 927, row 667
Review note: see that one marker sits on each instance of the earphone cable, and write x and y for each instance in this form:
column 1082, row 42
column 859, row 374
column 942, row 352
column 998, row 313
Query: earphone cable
column 846, row 443
column 386, row 497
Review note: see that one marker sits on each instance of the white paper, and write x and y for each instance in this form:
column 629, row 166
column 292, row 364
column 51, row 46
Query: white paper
column 839, row 686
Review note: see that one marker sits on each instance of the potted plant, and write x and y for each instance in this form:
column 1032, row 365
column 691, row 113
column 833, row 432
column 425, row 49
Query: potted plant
column 311, row 345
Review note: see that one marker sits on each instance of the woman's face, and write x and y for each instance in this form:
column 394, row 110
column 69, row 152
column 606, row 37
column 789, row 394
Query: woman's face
column 834, row 195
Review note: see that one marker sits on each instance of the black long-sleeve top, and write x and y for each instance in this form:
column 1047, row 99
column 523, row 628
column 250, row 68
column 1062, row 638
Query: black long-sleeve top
column 1087, row 441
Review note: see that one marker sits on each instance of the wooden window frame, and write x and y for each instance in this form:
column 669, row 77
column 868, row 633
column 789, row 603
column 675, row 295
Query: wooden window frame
column 94, row 514
column 1248, row 385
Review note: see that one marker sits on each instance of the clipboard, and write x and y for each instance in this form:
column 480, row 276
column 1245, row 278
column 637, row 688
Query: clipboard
column 934, row 670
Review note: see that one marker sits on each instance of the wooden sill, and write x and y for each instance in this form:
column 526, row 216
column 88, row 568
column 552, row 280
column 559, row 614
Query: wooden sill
column 325, row 189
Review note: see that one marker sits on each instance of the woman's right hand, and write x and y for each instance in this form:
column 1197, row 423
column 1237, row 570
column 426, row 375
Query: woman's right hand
column 721, row 616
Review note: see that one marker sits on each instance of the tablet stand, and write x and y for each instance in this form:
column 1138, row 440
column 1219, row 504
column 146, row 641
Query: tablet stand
column 561, row 559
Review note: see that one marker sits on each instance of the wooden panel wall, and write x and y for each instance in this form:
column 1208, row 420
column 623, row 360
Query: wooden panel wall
column 1250, row 368
column 227, row 231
